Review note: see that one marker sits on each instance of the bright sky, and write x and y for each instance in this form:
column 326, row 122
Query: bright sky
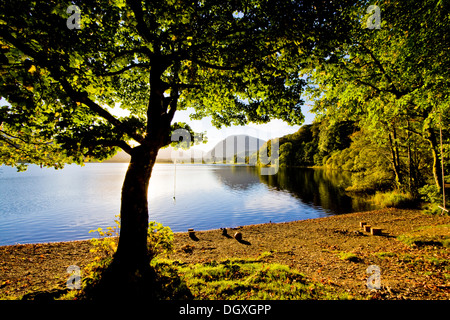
column 273, row 129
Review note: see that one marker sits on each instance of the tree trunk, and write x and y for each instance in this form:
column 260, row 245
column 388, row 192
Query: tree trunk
column 132, row 248
column 437, row 173
column 129, row 275
column 411, row 175
column 395, row 162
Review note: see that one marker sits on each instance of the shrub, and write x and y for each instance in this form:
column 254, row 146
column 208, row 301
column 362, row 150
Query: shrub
column 394, row 199
column 432, row 208
column 160, row 241
column 431, row 194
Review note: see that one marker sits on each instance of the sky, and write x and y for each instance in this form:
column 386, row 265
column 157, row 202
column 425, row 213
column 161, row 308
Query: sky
column 273, row 129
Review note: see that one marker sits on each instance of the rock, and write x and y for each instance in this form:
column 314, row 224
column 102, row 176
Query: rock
column 238, row 236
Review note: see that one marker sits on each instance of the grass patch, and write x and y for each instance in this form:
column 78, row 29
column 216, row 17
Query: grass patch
column 394, row 199
column 250, row 280
column 436, row 266
column 348, row 256
column 430, row 235
column 383, row 255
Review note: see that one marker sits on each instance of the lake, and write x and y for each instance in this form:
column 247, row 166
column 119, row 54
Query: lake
column 48, row 205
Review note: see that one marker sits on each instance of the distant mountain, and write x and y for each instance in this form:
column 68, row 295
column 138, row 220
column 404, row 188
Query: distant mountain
column 165, row 155
column 240, row 145
column 169, row 154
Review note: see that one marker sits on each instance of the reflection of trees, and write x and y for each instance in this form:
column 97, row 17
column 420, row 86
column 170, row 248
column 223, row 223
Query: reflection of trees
column 318, row 187
column 237, row 177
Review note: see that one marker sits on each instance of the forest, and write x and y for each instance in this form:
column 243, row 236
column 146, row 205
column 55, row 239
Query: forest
column 404, row 166
column 382, row 105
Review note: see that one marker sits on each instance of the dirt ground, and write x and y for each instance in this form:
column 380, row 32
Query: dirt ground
column 333, row 250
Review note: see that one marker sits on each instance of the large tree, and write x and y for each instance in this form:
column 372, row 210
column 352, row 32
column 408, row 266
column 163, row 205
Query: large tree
column 393, row 80
column 235, row 61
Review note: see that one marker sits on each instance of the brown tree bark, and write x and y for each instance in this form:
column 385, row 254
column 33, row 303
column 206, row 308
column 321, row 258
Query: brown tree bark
column 395, row 161
column 437, row 173
column 129, row 276
column 132, row 247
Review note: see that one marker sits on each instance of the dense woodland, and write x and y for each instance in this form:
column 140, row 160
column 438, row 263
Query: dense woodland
column 383, row 105
column 376, row 166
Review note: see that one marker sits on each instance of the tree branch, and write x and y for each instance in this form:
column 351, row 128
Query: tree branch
column 76, row 96
column 23, row 140
column 142, row 28
column 395, row 91
column 370, row 85
column 133, row 65
column 82, row 97
column 114, row 143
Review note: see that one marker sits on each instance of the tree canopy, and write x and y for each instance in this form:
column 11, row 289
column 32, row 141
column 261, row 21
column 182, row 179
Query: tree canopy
column 394, row 81
column 237, row 62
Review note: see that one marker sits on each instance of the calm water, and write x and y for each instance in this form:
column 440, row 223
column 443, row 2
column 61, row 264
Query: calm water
column 46, row 205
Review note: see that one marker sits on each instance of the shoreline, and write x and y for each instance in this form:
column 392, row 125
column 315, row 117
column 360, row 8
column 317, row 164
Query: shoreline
column 332, row 250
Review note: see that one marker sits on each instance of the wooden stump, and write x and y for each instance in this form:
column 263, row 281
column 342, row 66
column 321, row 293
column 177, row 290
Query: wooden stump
column 367, row 228
column 238, row 236
column 376, row 231
column 362, row 224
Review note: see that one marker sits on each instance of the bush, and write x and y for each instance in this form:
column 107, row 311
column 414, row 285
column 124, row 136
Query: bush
column 159, row 241
column 431, row 193
column 394, row 199
column 433, row 209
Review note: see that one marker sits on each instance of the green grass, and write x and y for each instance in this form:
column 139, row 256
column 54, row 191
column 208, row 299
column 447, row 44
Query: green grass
column 348, row 256
column 430, row 235
column 394, row 199
column 249, row 279
column 383, row 255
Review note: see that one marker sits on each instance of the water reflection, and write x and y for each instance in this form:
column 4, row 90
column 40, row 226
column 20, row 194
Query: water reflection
column 315, row 187
column 43, row 205
column 237, row 177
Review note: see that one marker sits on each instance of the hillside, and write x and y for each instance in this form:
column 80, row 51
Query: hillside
column 240, row 145
column 164, row 155
column 313, row 143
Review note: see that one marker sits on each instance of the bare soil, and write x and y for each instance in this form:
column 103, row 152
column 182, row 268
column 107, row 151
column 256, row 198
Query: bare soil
column 319, row 248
